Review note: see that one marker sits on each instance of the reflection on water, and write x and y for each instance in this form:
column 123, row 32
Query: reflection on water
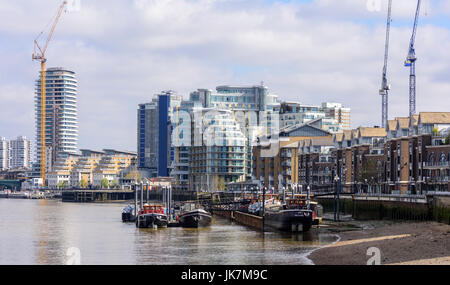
column 40, row 232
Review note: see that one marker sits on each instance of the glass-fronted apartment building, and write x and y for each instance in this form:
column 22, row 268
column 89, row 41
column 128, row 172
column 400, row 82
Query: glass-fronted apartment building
column 61, row 125
column 155, row 152
column 218, row 152
column 245, row 110
column 181, row 142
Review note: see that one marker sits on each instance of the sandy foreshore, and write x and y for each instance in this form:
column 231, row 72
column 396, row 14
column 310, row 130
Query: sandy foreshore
column 425, row 243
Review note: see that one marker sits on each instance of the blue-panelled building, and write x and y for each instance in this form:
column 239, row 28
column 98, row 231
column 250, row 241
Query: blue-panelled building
column 155, row 154
column 163, row 134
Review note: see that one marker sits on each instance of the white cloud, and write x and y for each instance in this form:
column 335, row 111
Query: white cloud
column 124, row 52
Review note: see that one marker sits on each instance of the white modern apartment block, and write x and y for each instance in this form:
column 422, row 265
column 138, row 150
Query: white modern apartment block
column 335, row 117
column 61, row 131
column 20, row 155
column 4, row 154
column 337, row 112
column 246, row 111
column 219, row 155
column 293, row 113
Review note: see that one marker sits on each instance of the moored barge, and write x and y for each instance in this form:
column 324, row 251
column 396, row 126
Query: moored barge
column 193, row 216
column 151, row 216
column 293, row 220
column 295, row 215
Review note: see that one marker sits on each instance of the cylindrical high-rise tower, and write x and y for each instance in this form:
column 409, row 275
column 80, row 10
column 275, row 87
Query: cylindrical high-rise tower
column 61, row 126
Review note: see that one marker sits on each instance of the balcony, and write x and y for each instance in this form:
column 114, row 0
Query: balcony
column 378, row 145
column 440, row 179
column 436, row 165
column 325, row 159
column 286, row 155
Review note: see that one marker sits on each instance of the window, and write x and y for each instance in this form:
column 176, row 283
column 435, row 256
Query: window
column 443, row 158
column 431, row 158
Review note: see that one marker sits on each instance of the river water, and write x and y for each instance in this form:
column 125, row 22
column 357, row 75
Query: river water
column 43, row 231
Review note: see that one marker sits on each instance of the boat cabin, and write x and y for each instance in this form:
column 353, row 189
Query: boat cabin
column 191, row 206
column 296, row 203
column 152, row 209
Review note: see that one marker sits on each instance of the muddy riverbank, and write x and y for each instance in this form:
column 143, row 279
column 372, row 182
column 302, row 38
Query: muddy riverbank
column 398, row 243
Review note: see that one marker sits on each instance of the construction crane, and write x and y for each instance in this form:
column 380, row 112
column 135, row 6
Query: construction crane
column 411, row 63
column 39, row 55
column 385, row 87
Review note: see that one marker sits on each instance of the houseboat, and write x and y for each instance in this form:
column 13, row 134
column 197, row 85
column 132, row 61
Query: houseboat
column 151, row 216
column 193, row 216
column 296, row 214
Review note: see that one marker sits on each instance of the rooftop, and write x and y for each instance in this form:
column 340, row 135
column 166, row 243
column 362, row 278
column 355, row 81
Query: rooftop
column 372, row 132
column 339, row 137
column 434, row 117
column 403, row 122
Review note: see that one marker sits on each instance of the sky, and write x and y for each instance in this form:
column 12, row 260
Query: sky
column 125, row 51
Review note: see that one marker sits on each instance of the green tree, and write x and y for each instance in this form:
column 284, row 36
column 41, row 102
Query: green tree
column 63, row 184
column 133, row 175
column 435, row 131
column 104, row 183
column 222, row 185
column 83, row 183
column 368, row 171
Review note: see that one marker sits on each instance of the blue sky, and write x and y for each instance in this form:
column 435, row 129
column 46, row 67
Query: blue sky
column 312, row 51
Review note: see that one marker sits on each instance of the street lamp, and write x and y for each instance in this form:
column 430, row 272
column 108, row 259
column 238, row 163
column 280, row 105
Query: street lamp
column 135, row 199
column 308, row 189
column 337, row 200
column 142, row 194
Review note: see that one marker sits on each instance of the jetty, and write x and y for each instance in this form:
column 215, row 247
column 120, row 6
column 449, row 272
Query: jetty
column 88, row 196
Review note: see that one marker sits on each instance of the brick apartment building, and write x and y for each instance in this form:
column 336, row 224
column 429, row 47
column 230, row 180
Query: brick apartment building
column 389, row 161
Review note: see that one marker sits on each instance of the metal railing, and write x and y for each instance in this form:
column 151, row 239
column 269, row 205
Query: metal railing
column 437, row 164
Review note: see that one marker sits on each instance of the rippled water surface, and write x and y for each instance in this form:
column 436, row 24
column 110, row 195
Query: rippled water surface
column 41, row 232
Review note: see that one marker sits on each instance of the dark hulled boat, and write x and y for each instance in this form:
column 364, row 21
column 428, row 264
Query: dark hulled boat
column 152, row 216
column 194, row 217
column 292, row 220
column 128, row 214
column 296, row 215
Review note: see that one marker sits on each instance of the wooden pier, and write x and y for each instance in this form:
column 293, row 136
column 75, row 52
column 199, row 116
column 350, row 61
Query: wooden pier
column 89, row 196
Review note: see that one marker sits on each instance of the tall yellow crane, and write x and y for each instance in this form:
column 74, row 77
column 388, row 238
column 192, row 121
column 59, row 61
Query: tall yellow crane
column 39, row 55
